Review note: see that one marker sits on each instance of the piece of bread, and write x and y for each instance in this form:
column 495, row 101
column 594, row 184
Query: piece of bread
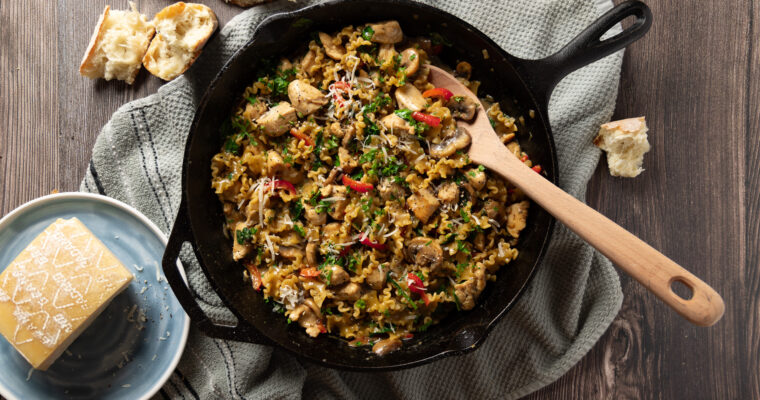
column 247, row 3
column 117, row 46
column 625, row 142
column 182, row 31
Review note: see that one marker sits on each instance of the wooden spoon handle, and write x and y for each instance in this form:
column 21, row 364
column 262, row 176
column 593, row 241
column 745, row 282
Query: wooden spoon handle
column 645, row 264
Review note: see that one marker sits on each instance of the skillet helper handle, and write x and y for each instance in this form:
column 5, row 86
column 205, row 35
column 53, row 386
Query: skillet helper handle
column 639, row 260
column 180, row 234
column 588, row 46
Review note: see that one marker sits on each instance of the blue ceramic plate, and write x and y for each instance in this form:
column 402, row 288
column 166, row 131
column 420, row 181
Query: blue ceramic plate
column 118, row 356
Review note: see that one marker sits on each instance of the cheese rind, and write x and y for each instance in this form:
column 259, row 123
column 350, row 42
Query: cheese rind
column 55, row 288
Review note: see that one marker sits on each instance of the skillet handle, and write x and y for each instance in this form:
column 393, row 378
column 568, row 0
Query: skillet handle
column 587, row 47
column 180, row 234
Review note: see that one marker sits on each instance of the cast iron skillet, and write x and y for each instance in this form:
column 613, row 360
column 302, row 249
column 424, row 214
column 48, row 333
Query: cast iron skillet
column 520, row 85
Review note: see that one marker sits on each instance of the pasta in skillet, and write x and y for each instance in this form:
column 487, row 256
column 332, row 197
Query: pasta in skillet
column 349, row 195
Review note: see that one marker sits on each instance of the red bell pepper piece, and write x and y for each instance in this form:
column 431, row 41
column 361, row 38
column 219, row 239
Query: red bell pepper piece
column 365, row 241
column 416, row 286
column 431, row 120
column 360, row 187
column 537, row 168
column 442, row 93
column 299, row 135
column 309, row 272
column 255, row 274
column 524, row 158
column 282, row 184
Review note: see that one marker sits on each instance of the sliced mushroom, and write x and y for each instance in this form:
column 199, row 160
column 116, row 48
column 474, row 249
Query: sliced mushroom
column 334, row 275
column 347, row 162
column 255, row 110
column 448, row 192
column 409, row 97
column 387, row 32
column 390, row 190
column 425, row 252
column 410, row 61
column 376, row 279
column 275, row 163
column 386, row 346
column 517, row 215
column 492, row 209
column 290, row 252
column 456, row 141
column 305, row 98
column 338, row 208
column 308, row 315
column 350, row 291
column 476, row 178
column 313, row 216
column 386, row 53
column 278, row 119
column 462, row 107
column 468, row 291
column 423, row 204
column 331, row 177
column 397, row 125
column 311, row 253
column 333, row 50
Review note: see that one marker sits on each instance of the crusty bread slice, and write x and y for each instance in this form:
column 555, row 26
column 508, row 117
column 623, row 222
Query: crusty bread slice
column 183, row 29
column 117, row 46
column 247, row 3
column 625, row 142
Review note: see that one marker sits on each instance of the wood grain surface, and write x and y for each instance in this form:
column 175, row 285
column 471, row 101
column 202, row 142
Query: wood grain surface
column 694, row 76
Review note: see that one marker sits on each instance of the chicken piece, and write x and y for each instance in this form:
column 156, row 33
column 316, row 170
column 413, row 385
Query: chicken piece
column 314, row 217
column 387, row 32
column 423, row 204
column 397, row 125
column 376, row 279
column 331, row 177
column 479, row 241
column 285, row 64
column 517, row 214
column 386, row 346
column 290, row 252
column 468, row 291
column 333, row 50
column 410, row 61
column 275, row 163
column 305, row 98
column 409, row 97
column 492, row 209
column 425, row 252
column 311, row 254
column 448, row 192
column 330, row 232
column 278, row 119
column 386, row 52
column 390, row 191
column 308, row 61
column 255, row 110
column 240, row 250
column 308, row 315
column 347, row 162
column 351, row 292
column 338, row 208
column 457, row 140
column 462, row 107
column 476, row 178
column 334, row 275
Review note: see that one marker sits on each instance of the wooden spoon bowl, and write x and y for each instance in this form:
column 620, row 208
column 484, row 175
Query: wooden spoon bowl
column 648, row 266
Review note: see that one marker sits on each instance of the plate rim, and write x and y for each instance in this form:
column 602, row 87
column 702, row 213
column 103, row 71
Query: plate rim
column 54, row 197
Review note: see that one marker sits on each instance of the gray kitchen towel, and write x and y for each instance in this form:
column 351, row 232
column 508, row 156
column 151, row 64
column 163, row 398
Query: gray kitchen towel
column 569, row 304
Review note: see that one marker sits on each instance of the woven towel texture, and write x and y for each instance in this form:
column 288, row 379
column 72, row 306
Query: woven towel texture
column 574, row 297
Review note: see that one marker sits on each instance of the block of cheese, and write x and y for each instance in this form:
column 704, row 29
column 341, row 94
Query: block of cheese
column 55, row 288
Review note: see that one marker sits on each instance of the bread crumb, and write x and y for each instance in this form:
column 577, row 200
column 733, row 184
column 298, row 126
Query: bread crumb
column 625, row 142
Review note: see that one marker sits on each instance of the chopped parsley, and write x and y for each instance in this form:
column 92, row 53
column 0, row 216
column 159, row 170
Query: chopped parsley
column 368, row 32
column 245, row 234
column 327, row 275
column 461, row 247
column 296, row 210
column 401, row 291
column 360, row 304
column 251, row 99
column 299, row 230
column 465, row 215
column 424, row 326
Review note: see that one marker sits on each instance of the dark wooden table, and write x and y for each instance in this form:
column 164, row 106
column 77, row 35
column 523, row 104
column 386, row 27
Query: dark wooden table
column 694, row 77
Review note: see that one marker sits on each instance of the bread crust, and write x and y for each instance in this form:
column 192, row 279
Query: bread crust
column 97, row 35
column 151, row 60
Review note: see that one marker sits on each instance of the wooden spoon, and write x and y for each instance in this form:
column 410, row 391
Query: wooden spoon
column 645, row 264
